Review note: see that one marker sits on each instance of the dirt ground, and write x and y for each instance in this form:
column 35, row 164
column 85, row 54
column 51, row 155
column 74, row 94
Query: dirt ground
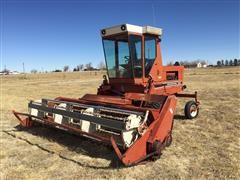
column 205, row 148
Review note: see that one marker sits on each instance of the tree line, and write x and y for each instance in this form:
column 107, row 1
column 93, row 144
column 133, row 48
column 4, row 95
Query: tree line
column 81, row 67
column 188, row 64
column 235, row 62
column 101, row 66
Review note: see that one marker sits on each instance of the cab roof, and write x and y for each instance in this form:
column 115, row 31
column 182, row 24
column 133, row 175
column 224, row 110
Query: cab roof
column 131, row 28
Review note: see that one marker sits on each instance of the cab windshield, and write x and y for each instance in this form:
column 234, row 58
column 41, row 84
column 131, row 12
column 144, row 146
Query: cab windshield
column 123, row 56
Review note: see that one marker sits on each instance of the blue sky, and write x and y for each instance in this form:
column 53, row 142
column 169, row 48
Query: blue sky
column 50, row 34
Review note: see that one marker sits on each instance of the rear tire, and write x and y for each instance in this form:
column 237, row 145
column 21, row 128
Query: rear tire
column 191, row 110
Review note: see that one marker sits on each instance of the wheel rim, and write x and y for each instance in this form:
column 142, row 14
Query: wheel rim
column 193, row 110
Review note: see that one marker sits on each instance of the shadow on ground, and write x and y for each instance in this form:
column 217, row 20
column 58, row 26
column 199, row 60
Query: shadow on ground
column 179, row 117
column 74, row 143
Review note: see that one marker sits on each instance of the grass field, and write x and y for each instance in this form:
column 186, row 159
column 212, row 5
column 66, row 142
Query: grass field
column 205, row 148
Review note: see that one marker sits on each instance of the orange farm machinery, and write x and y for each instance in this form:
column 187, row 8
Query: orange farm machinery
column 134, row 107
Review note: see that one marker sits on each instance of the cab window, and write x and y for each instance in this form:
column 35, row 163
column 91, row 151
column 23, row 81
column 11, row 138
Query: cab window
column 136, row 54
column 150, row 53
column 125, row 67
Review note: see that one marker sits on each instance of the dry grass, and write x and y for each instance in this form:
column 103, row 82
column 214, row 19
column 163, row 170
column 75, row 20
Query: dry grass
column 207, row 147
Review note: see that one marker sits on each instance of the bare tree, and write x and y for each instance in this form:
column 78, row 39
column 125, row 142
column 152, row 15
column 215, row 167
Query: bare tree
column 66, row 68
column 34, row 71
column 231, row 62
column 170, row 63
column 6, row 71
column 203, row 61
column 102, row 65
column 89, row 66
column 80, row 67
column 192, row 64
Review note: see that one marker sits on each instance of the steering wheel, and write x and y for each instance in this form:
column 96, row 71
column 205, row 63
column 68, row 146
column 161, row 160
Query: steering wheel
column 127, row 58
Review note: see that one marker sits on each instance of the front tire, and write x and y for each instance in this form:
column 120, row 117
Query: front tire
column 191, row 110
column 157, row 148
column 116, row 163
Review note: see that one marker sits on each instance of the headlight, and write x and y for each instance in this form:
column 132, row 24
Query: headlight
column 123, row 27
column 103, row 32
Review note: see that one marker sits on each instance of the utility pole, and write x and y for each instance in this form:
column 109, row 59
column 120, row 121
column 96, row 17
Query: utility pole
column 24, row 74
column 23, row 68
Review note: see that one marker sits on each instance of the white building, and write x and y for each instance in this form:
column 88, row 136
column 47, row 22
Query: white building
column 199, row 65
